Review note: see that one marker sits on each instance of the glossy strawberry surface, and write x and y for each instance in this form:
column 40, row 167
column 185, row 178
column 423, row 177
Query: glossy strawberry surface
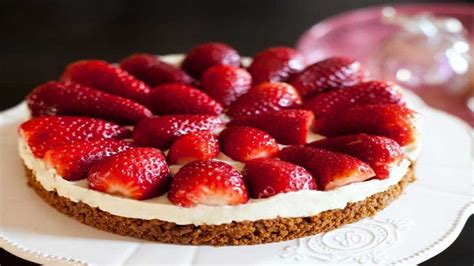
column 160, row 132
column 330, row 169
column 73, row 161
column 201, row 145
column 267, row 177
column 176, row 98
column 211, row 183
column 226, row 83
column 389, row 120
column 243, row 143
column 68, row 98
column 47, row 132
column 137, row 173
column 379, row 152
column 153, row 71
column 288, row 127
column 275, row 64
column 329, row 74
column 203, row 56
column 265, row 97
column 107, row 77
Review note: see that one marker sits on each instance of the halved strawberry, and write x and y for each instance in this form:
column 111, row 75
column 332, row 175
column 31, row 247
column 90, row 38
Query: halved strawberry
column 47, row 132
column 201, row 145
column 289, row 127
column 176, row 98
column 265, row 97
column 226, row 83
column 370, row 92
column 380, row 153
column 268, row 176
column 330, row 169
column 205, row 55
column 67, row 98
column 160, row 132
column 137, row 173
column 150, row 69
column 107, row 77
column 73, row 161
column 275, row 64
column 389, row 120
column 332, row 73
column 243, row 143
column 211, row 183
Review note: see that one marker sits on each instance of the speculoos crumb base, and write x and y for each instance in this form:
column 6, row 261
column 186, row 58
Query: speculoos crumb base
column 235, row 233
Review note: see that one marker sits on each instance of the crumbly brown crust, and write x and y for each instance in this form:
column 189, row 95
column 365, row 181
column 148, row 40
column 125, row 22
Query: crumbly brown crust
column 235, row 233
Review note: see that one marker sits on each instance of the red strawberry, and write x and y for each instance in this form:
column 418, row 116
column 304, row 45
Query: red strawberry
column 137, row 173
column 332, row 73
column 267, row 176
column 160, row 132
column 371, row 92
column 287, row 126
column 211, row 183
column 246, row 143
column 330, row 169
column 65, row 98
column 47, row 132
column 265, row 97
column 201, row 145
column 73, row 161
column 389, row 120
column 178, row 98
column 226, row 83
column 380, row 153
column 150, row 69
column 205, row 55
column 275, row 64
column 106, row 77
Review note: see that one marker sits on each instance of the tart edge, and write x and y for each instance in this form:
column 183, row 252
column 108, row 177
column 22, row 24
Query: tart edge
column 235, row 233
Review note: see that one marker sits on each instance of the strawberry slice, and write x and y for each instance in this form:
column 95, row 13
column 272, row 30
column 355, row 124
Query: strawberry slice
column 330, row 169
column 137, row 173
column 380, row 153
column 47, row 132
column 268, row 176
column 201, row 145
column 275, row 64
column 289, row 127
column 150, row 69
column 160, row 132
column 178, row 98
column 205, row 55
column 226, row 83
column 107, row 77
column 66, row 98
column 211, row 183
column 73, row 161
column 332, row 73
column 246, row 143
column 365, row 93
column 265, row 97
column 389, row 120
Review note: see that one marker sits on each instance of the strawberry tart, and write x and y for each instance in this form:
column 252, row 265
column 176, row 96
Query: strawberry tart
column 214, row 149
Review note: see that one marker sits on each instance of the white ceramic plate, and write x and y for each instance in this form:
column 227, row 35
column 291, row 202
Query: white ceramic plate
column 425, row 220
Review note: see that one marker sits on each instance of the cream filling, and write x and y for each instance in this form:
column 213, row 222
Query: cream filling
column 293, row 204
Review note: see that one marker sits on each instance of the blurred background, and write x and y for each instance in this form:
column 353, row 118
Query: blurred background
column 39, row 38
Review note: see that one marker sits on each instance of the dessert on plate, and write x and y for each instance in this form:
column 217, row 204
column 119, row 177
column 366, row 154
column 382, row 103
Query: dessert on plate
column 214, row 149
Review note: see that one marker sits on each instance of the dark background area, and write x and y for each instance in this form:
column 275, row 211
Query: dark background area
column 39, row 38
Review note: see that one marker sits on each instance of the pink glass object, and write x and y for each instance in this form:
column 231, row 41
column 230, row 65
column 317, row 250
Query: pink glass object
column 423, row 47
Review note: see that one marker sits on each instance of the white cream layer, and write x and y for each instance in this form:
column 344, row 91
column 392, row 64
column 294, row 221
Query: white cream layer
column 294, row 204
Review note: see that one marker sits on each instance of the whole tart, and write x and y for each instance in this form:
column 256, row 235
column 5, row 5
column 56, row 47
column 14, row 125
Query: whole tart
column 186, row 149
